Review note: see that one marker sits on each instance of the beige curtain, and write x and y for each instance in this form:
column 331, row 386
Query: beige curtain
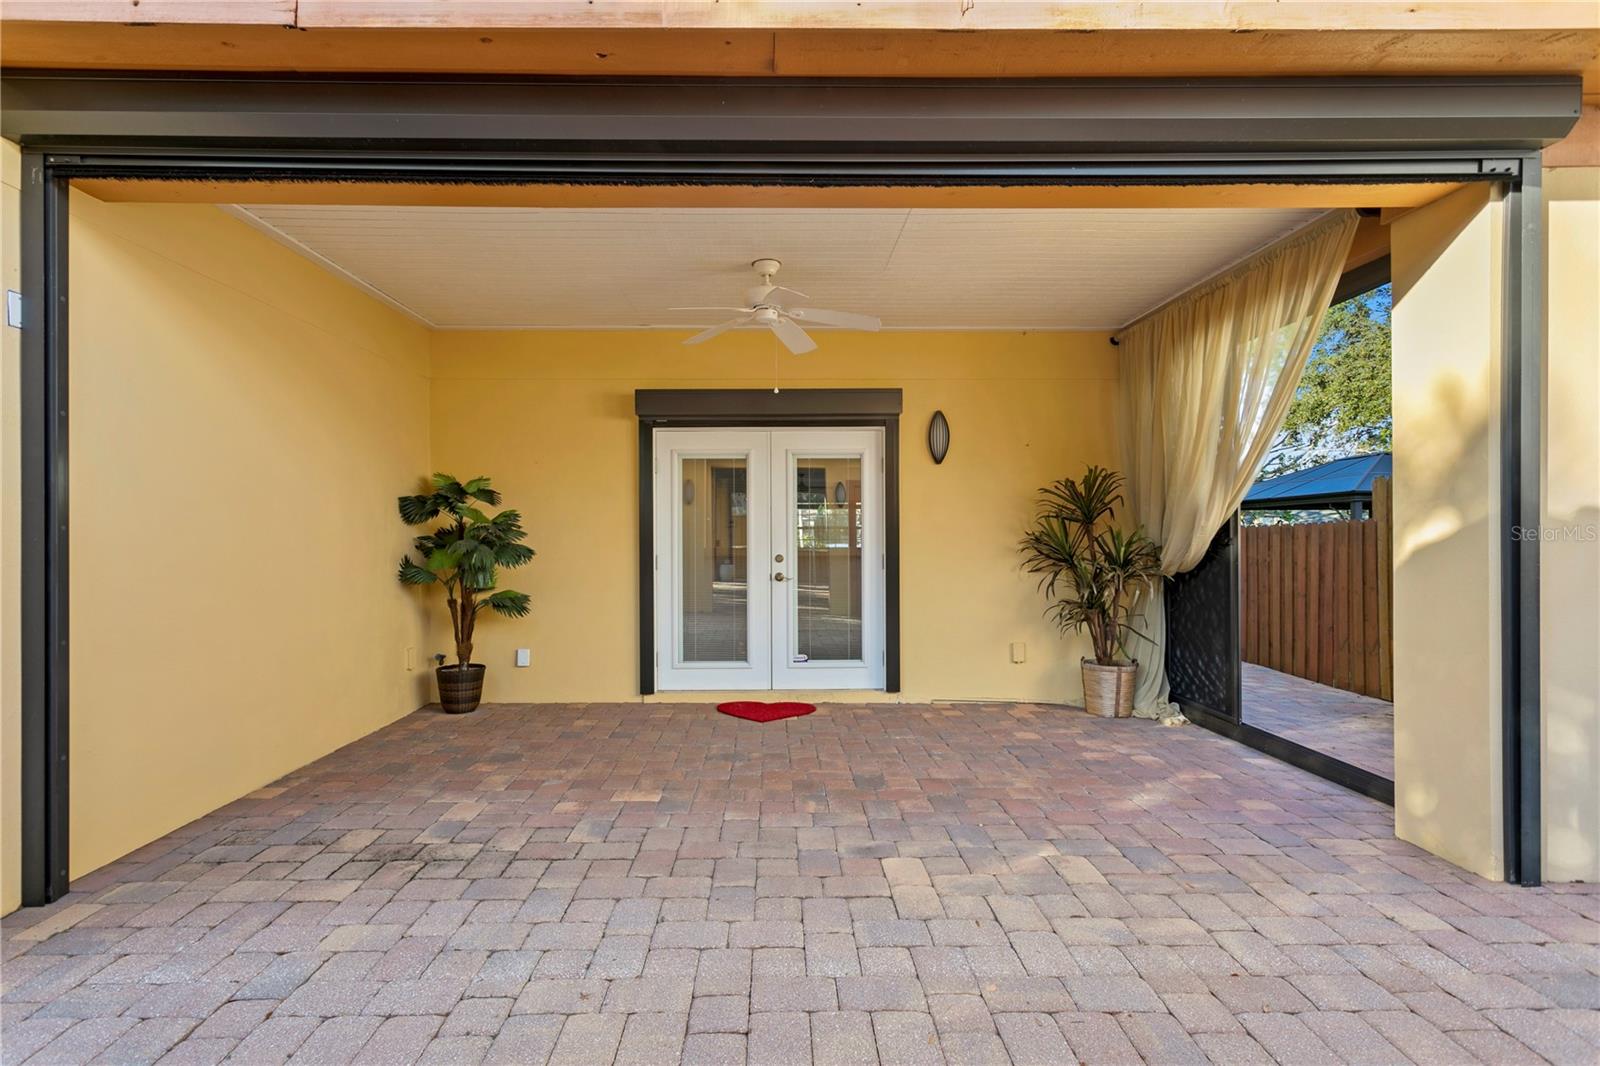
column 1206, row 381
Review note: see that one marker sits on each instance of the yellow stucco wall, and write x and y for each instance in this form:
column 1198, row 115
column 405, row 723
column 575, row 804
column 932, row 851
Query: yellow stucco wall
column 10, row 545
column 1569, row 555
column 1446, row 268
column 240, row 425
column 1448, row 522
column 549, row 415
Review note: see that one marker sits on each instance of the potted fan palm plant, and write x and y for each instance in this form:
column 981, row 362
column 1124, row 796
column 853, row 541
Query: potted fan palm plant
column 463, row 556
column 1093, row 573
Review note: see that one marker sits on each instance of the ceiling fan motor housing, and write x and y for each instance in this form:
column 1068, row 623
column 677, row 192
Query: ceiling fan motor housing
column 756, row 296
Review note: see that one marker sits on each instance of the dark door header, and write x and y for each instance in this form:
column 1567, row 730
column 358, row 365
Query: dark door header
column 661, row 406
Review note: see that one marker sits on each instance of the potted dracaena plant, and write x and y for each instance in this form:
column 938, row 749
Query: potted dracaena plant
column 463, row 556
column 1093, row 572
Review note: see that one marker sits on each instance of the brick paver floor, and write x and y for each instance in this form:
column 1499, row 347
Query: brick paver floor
column 640, row 884
column 1346, row 725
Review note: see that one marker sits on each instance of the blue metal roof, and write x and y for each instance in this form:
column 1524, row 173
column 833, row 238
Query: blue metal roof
column 1340, row 480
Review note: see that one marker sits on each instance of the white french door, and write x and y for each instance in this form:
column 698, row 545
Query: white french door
column 713, row 590
column 826, row 518
column 769, row 564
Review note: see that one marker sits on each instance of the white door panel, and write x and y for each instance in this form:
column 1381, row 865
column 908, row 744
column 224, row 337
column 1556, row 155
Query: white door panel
column 769, row 566
column 712, row 588
column 827, row 622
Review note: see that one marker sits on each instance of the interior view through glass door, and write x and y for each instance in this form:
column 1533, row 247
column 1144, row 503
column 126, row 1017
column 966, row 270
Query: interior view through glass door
column 828, row 551
column 769, row 562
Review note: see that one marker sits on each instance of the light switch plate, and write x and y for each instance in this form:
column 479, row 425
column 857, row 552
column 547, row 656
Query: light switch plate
column 524, row 657
column 13, row 308
column 1019, row 652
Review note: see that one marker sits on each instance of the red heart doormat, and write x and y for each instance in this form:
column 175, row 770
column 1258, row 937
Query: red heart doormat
column 756, row 711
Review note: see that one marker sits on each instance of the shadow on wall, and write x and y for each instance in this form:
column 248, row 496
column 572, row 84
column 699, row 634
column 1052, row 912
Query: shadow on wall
column 1571, row 728
column 1448, row 279
column 1445, row 458
column 1448, row 275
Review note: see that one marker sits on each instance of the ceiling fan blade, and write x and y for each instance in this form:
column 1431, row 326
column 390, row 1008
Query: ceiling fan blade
column 721, row 328
column 785, row 288
column 746, row 310
column 845, row 319
column 793, row 337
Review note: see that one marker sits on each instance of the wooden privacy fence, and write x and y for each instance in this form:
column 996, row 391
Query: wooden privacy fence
column 1317, row 599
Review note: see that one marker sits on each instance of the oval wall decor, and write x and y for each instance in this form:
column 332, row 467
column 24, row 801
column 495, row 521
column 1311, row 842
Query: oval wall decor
column 938, row 437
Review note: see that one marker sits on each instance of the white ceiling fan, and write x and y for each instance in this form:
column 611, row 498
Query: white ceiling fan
column 782, row 321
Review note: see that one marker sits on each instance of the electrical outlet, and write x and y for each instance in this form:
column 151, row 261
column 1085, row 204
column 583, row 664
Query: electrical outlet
column 1019, row 652
column 524, row 657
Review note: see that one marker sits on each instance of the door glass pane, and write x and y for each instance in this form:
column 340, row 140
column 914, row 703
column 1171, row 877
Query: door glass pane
column 827, row 566
column 715, row 574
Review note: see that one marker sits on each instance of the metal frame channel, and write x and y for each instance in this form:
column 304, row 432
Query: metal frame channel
column 1325, row 766
column 816, row 131
column 669, row 131
column 45, row 631
column 1521, row 515
column 812, row 172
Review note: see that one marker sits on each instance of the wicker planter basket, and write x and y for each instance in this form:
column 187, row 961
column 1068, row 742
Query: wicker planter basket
column 1108, row 690
column 460, row 687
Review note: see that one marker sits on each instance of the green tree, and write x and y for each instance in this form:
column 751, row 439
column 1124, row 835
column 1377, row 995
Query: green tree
column 1342, row 406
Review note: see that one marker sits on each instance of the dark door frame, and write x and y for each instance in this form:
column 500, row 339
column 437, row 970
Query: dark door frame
column 758, row 408
column 776, row 132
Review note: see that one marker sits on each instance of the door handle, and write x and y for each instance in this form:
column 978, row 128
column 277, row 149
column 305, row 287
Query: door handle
column 777, row 577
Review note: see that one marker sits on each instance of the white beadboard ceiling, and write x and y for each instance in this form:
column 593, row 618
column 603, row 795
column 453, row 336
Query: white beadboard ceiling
column 553, row 268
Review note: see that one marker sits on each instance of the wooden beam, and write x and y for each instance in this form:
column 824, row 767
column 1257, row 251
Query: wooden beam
column 1187, row 53
column 800, row 53
column 1581, row 147
column 98, row 46
column 195, row 12
column 1383, row 523
column 1233, row 16
column 1371, row 241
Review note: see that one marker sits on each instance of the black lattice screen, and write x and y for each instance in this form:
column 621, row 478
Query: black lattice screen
column 1203, row 628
